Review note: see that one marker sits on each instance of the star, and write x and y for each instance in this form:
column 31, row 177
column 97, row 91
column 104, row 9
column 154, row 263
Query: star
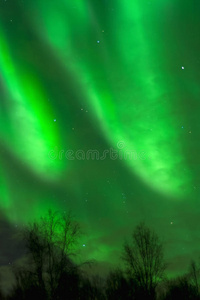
column 182, row 68
column 98, row 42
column 54, row 120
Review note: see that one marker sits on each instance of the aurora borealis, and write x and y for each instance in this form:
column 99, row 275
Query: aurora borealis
column 103, row 76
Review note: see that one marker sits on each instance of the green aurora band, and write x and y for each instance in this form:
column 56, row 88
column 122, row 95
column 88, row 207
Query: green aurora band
column 116, row 62
column 137, row 112
column 28, row 133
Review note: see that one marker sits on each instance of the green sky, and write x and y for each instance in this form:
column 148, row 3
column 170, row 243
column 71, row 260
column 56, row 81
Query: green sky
column 117, row 77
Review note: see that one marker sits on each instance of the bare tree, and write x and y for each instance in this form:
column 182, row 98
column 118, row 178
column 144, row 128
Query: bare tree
column 50, row 244
column 180, row 288
column 118, row 286
column 144, row 259
column 92, row 288
column 194, row 275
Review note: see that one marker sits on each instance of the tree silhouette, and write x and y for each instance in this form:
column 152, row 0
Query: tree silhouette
column 48, row 271
column 181, row 288
column 144, row 260
column 92, row 288
column 26, row 286
column 118, row 286
column 194, row 275
column 49, row 268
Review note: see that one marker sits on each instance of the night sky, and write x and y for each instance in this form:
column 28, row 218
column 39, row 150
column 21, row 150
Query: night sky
column 100, row 115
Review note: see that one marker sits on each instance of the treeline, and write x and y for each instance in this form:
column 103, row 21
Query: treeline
column 48, row 271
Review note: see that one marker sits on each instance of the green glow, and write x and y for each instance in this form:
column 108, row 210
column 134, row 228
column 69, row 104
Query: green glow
column 107, row 71
column 139, row 115
column 32, row 136
column 4, row 193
